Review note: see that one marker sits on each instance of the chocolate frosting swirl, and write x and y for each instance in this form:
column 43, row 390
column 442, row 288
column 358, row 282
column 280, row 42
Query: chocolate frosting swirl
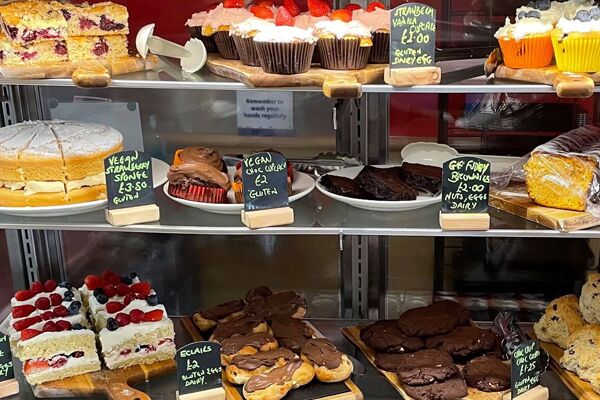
column 267, row 359
column 183, row 173
column 276, row 376
column 237, row 326
column 223, row 310
column 204, row 155
column 323, row 353
column 237, row 342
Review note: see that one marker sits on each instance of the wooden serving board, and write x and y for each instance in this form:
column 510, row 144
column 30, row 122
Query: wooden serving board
column 580, row 388
column 114, row 384
column 315, row 390
column 515, row 200
column 352, row 333
column 336, row 84
column 95, row 73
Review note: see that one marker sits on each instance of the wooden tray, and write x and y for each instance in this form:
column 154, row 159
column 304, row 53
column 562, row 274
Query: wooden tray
column 315, row 390
column 515, row 200
column 336, row 84
column 97, row 73
column 352, row 333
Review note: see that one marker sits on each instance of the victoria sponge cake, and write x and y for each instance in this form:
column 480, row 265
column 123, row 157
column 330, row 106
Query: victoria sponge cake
column 45, row 163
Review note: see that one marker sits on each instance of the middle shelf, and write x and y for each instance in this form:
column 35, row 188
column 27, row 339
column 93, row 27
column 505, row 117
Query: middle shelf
column 314, row 215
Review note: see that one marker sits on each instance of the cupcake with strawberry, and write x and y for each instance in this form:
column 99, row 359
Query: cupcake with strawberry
column 219, row 22
column 194, row 25
column 377, row 19
column 343, row 43
column 318, row 11
column 285, row 49
column 244, row 32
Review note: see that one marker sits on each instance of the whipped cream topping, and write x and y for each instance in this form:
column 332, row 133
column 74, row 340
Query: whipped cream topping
column 96, row 307
column 115, row 339
column 341, row 29
column 285, row 34
column 197, row 19
column 73, row 319
column 59, row 290
column 117, row 355
column 567, row 26
column 102, row 316
column 376, row 20
column 307, row 21
column 570, row 8
column 250, row 27
column 551, row 15
column 72, row 362
column 221, row 16
column 523, row 28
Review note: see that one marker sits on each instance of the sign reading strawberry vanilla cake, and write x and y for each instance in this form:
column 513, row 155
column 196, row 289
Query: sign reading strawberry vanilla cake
column 132, row 327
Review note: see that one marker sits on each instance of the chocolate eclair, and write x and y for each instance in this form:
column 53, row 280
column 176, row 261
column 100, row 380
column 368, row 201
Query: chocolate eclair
column 330, row 364
column 258, row 292
column 203, row 155
column 208, row 318
column 282, row 304
column 277, row 382
column 243, row 367
column 291, row 333
column 239, row 326
column 198, row 182
column 249, row 344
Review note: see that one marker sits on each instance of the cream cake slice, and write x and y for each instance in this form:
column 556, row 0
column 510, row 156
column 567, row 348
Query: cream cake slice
column 26, row 22
column 83, row 48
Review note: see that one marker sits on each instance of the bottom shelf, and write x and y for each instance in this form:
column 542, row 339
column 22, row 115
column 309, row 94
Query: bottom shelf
column 373, row 385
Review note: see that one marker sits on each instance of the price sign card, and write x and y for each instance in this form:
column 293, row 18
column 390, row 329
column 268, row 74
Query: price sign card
column 199, row 371
column 130, row 190
column 526, row 368
column 265, row 181
column 412, row 36
column 8, row 384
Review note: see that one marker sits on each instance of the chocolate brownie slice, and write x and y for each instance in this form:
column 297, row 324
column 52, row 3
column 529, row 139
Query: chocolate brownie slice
column 464, row 341
column 422, row 176
column 384, row 336
column 425, row 367
column 343, row 187
column 488, row 374
column 424, row 321
column 384, row 184
column 450, row 389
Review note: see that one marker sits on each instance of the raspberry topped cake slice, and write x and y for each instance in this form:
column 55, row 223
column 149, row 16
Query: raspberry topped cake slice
column 99, row 19
column 26, row 22
column 48, row 333
column 40, row 52
column 94, row 47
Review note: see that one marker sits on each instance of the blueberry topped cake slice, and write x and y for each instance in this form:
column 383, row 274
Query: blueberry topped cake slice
column 99, row 19
column 26, row 22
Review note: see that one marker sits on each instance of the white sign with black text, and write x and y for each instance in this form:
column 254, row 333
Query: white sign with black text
column 265, row 113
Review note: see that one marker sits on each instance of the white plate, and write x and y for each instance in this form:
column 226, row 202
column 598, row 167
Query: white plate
column 376, row 205
column 303, row 185
column 428, row 153
column 159, row 175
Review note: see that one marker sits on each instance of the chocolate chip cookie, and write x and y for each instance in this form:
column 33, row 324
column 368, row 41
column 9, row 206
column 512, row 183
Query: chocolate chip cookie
column 464, row 341
column 385, row 337
column 425, row 321
column 453, row 308
column 451, row 389
column 488, row 374
column 387, row 361
column 425, row 367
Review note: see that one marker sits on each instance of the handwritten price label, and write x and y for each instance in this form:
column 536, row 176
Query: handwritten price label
column 466, row 185
column 198, row 367
column 412, row 35
column 129, row 179
column 6, row 365
column 265, row 180
column 526, row 367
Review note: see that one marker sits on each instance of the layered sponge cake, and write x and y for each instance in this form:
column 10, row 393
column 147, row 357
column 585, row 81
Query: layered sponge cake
column 49, row 333
column 54, row 162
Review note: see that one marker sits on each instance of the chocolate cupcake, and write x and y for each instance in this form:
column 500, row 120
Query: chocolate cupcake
column 343, row 45
column 194, row 26
column 285, row 50
column 378, row 21
column 196, row 181
column 243, row 37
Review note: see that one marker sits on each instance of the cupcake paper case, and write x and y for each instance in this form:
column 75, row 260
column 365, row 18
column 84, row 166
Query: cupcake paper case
column 577, row 45
column 343, row 45
column 285, row 50
column 218, row 23
column 243, row 37
column 378, row 21
column 198, row 182
column 194, row 25
column 526, row 43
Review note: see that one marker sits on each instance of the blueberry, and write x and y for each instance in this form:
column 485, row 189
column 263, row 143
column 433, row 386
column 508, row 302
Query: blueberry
column 583, row 16
column 595, row 13
column 522, row 14
column 112, row 324
column 68, row 295
column 102, row 299
column 77, row 327
column 152, row 300
column 127, row 280
column 98, row 291
column 542, row 5
column 534, row 14
column 66, row 284
column 74, row 308
column 132, row 275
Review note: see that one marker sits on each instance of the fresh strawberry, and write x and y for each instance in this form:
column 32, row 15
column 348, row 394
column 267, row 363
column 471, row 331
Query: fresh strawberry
column 153, row 316
column 50, row 285
column 50, row 327
column 376, row 4
column 60, row 311
column 341, row 15
column 212, row 6
column 140, row 296
column 318, row 8
column 110, row 291
column 123, row 319
column 35, row 366
column 23, row 295
column 114, row 307
column 46, row 316
column 22, row 311
column 63, row 325
column 110, row 277
column 261, row 12
column 292, row 7
column 233, row 3
column 283, row 17
column 55, row 299
column 128, row 299
column 352, row 7
column 37, row 287
column 141, row 288
column 26, row 323
column 123, row 289
column 266, row 3
column 136, row 316
column 43, row 303
column 93, row 282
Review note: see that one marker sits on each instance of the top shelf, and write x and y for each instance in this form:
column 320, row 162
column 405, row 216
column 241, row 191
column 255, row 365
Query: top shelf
column 458, row 76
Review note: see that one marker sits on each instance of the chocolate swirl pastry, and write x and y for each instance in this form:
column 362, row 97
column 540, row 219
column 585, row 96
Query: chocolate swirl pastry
column 222, row 311
column 236, row 343
column 205, row 155
column 264, row 359
column 187, row 173
column 291, row 333
column 384, row 336
column 322, row 352
column 239, row 326
column 276, row 376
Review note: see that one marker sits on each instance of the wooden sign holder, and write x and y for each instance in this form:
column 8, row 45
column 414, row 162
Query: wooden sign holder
column 266, row 218
column 538, row 392
column 9, row 387
column 465, row 221
column 133, row 215
column 412, row 76
column 211, row 394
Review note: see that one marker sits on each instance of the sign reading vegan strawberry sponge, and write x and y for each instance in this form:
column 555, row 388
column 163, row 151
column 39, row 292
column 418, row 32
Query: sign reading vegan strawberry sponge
column 412, row 36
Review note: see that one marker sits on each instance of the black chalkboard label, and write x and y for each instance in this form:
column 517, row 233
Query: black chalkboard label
column 264, row 176
column 198, row 367
column 129, row 179
column 466, row 185
column 526, row 367
column 412, row 39
column 6, row 365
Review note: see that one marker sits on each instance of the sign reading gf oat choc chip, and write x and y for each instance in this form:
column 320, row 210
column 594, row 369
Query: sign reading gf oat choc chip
column 412, row 39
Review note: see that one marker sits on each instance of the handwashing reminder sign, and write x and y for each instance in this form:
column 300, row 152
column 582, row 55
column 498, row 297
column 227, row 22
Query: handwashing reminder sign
column 265, row 113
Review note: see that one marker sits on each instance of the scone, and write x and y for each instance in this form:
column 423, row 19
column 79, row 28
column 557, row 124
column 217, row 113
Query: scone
column 583, row 352
column 561, row 318
column 589, row 301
